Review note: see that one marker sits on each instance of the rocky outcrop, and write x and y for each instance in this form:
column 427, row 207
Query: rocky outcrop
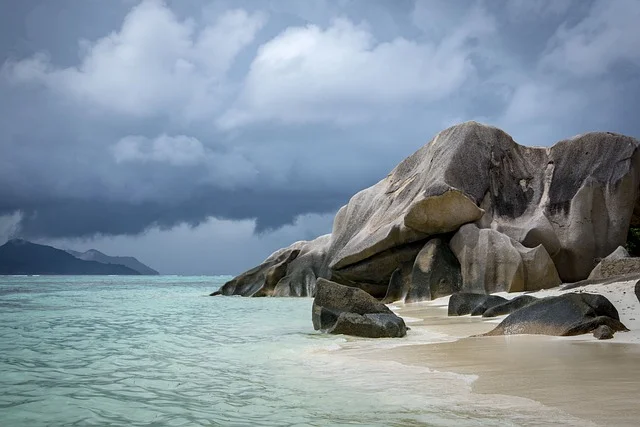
column 436, row 272
column 373, row 274
column 399, row 284
column 616, row 264
column 475, row 304
column 339, row 309
column 522, row 218
column 509, row 306
column 563, row 315
column 493, row 262
column 291, row 271
column 303, row 272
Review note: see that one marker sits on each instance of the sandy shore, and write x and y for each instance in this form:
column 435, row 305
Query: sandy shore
column 590, row 379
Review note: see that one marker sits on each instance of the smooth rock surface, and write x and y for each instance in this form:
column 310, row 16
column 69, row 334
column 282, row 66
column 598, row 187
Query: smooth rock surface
column 399, row 284
column 436, row 272
column 376, row 325
column 492, row 262
column 603, row 332
column 259, row 280
column 563, row 315
column 373, row 274
column 303, row 272
column 509, row 306
column 565, row 198
column 291, row 271
column 462, row 303
column 347, row 310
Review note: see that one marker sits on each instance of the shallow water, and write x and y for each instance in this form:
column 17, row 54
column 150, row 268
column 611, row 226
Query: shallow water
column 156, row 351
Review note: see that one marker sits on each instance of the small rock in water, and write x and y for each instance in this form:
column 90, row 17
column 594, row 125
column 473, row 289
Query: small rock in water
column 603, row 332
column 339, row 309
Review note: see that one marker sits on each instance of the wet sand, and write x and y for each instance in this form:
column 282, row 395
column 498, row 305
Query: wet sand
column 594, row 380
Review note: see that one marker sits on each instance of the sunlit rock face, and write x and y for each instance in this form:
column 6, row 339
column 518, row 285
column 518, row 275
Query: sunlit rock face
column 470, row 211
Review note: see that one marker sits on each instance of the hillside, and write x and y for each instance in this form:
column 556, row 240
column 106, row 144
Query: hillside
column 128, row 261
column 22, row 257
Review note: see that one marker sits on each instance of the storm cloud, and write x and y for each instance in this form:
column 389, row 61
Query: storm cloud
column 158, row 118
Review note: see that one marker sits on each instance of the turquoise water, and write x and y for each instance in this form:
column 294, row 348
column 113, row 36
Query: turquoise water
column 137, row 351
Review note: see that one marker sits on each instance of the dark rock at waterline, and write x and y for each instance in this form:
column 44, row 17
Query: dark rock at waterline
column 253, row 282
column 291, row 271
column 346, row 310
column 563, row 315
column 637, row 290
column 509, row 306
column 475, row 304
column 375, row 325
column 603, row 332
column 341, row 298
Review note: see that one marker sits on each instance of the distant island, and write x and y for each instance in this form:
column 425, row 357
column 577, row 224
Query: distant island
column 127, row 261
column 19, row 256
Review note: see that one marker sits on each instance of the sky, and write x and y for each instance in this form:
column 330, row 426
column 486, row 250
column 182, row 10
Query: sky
column 200, row 136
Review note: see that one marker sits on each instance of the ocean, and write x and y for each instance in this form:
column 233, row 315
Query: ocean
column 141, row 351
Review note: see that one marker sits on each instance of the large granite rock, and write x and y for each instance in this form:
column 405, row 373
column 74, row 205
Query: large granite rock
column 291, row 271
column 618, row 263
column 536, row 215
column 493, row 262
column 564, row 315
column 432, row 273
column 303, row 272
column 399, row 284
column 339, row 309
column 576, row 199
column 373, row 274
column 436, row 272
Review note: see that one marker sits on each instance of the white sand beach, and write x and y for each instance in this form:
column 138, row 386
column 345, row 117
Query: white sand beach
column 584, row 377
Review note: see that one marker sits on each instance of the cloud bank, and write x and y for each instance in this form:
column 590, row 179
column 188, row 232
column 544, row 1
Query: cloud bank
column 151, row 115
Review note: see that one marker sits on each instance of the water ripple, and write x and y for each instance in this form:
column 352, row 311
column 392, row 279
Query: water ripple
column 151, row 351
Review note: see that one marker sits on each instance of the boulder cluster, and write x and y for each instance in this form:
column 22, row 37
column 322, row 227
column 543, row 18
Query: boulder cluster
column 472, row 211
column 563, row 315
column 470, row 214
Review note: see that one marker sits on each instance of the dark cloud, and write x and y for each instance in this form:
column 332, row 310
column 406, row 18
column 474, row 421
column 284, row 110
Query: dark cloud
column 84, row 218
column 148, row 115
